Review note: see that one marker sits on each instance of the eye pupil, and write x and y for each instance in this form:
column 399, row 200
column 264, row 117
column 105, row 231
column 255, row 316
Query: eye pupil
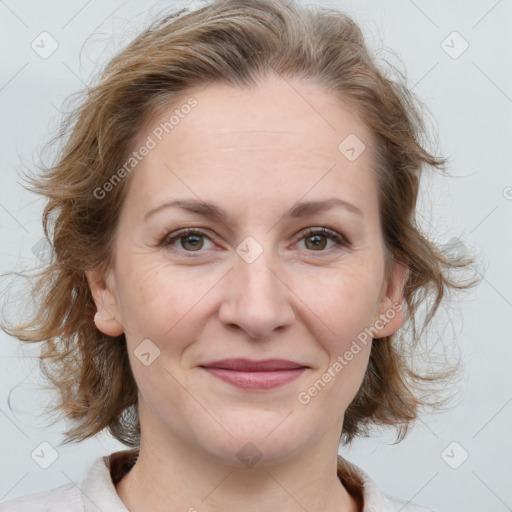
column 195, row 245
column 316, row 244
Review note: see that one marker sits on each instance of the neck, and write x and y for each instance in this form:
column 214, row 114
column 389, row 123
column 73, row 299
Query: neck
column 175, row 471
column 179, row 481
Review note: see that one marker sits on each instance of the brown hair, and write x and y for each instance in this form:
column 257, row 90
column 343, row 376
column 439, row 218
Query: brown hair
column 234, row 42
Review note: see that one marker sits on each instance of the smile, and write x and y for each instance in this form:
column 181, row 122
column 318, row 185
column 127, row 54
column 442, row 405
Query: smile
column 255, row 380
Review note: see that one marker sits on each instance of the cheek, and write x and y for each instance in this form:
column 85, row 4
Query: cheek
column 344, row 302
column 157, row 299
column 346, row 345
column 344, row 306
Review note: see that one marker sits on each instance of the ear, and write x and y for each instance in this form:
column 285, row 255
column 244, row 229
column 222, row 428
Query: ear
column 391, row 311
column 103, row 291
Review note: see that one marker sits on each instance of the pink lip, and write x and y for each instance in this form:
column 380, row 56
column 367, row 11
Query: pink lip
column 249, row 374
column 250, row 365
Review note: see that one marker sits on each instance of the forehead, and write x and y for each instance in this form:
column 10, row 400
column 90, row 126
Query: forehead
column 275, row 112
column 278, row 140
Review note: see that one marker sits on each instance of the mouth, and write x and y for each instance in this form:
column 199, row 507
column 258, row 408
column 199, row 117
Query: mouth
column 250, row 365
column 254, row 375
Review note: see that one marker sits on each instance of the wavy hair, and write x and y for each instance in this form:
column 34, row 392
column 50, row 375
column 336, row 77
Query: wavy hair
column 232, row 42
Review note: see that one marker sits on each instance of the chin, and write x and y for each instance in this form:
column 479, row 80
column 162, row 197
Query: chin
column 258, row 443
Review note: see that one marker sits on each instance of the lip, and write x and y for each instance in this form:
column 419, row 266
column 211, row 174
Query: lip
column 250, row 365
column 255, row 375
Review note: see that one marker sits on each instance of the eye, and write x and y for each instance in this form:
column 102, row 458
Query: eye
column 192, row 239
column 315, row 235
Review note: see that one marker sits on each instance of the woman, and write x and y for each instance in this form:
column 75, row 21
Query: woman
column 235, row 252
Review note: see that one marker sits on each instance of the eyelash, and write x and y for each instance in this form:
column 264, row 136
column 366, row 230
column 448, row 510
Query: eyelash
column 340, row 240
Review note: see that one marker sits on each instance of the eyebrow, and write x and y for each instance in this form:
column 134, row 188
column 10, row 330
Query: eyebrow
column 211, row 210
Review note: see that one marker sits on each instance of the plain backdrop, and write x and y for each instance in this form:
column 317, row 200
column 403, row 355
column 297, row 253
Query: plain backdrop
column 457, row 59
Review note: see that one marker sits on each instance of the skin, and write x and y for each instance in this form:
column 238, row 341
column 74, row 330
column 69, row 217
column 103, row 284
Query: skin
column 255, row 152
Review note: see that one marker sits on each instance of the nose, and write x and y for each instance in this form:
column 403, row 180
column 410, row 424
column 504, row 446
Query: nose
column 256, row 298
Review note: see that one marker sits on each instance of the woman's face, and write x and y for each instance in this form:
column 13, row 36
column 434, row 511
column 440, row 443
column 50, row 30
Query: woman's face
column 252, row 284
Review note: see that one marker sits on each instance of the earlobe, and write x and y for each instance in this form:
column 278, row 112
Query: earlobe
column 391, row 311
column 107, row 314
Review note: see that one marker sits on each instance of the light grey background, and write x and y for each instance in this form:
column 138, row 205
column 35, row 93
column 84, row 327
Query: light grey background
column 470, row 99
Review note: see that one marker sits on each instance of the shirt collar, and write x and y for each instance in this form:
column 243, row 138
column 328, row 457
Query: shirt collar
column 356, row 481
column 98, row 489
